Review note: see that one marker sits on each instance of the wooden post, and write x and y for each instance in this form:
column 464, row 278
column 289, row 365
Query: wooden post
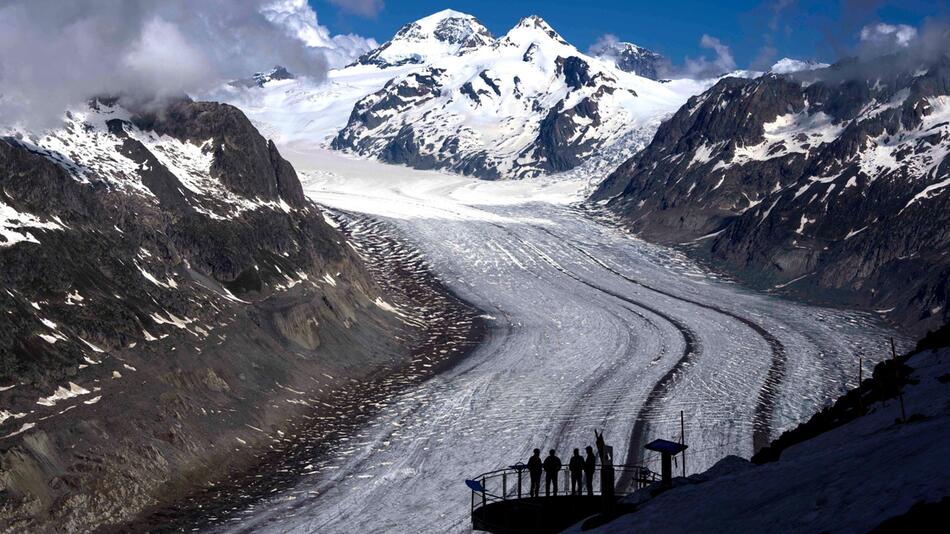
column 504, row 485
column 666, row 469
column 519, row 482
column 683, row 440
column 483, row 491
column 897, row 380
column 860, row 381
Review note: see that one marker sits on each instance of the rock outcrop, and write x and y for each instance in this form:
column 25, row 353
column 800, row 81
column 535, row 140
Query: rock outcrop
column 634, row 59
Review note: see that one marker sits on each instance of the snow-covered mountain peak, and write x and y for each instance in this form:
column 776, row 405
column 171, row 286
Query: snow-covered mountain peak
column 442, row 93
column 259, row 79
column 449, row 18
column 630, row 57
column 532, row 29
column 531, row 104
column 446, row 33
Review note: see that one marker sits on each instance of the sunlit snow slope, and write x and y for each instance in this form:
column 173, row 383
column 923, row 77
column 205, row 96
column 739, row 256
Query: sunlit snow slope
column 590, row 328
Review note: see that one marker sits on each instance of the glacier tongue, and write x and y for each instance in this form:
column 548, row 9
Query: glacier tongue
column 584, row 323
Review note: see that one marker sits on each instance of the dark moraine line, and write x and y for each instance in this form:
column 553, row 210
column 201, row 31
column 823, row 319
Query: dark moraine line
column 691, row 349
column 595, row 385
column 765, row 404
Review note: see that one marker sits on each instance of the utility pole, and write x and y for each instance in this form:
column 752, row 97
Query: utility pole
column 897, row 380
column 683, row 440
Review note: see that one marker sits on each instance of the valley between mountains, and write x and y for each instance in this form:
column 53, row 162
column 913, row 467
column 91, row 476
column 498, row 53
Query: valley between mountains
column 587, row 328
column 319, row 304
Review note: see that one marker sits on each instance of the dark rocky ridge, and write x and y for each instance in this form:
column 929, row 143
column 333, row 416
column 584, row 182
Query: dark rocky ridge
column 811, row 183
column 193, row 322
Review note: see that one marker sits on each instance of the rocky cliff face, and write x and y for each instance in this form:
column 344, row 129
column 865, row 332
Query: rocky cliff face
column 170, row 299
column 525, row 104
column 833, row 183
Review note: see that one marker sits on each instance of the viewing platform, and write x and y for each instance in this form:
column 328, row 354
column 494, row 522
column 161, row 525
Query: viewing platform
column 501, row 501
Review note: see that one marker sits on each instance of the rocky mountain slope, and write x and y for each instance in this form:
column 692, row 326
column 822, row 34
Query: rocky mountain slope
column 832, row 183
column 634, row 59
column 171, row 300
column 525, row 104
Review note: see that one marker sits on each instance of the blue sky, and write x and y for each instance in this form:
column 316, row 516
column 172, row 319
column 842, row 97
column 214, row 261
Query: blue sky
column 754, row 30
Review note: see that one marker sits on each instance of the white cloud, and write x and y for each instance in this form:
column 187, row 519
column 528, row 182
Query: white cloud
column 58, row 54
column 707, row 68
column 605, row 45
column 301, row 20
column 887, row 37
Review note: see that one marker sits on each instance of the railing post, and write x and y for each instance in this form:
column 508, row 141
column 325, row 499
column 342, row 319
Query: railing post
column 504, row 485
column 484, row 489
column 519, row 483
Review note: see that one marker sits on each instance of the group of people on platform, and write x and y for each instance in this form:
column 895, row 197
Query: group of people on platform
column 581, row 469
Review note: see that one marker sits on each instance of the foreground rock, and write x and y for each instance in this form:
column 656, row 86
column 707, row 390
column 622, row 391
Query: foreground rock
column 831, row 183
column 171, row 300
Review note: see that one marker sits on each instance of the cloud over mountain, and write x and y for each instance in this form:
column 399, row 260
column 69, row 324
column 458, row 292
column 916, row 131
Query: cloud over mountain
column 59, row 54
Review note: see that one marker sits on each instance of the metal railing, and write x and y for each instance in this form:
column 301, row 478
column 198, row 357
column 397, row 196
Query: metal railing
column 515, row 483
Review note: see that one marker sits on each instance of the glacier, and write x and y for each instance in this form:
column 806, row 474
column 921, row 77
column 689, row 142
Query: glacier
column 589, row 327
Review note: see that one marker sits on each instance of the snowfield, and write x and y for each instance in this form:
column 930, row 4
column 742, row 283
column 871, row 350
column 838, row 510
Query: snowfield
column 590, row 328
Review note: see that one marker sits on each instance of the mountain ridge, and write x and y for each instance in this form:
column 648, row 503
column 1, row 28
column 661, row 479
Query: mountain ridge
column 525, row 104
column 172, row 296
column 815, row 182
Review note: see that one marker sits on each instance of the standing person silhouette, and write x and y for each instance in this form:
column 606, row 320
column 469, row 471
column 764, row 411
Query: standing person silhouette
column 534, row 469
column 576, row 466
column 552, row 464
column 590, row 465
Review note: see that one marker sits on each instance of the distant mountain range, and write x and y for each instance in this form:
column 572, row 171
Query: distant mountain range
column 521, row 105
column 444, row 93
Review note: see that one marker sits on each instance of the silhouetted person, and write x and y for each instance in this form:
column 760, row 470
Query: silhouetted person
column 590, row 465
column 552, row 464
column 601, row 447
column 576, row 466
column 534, row 469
